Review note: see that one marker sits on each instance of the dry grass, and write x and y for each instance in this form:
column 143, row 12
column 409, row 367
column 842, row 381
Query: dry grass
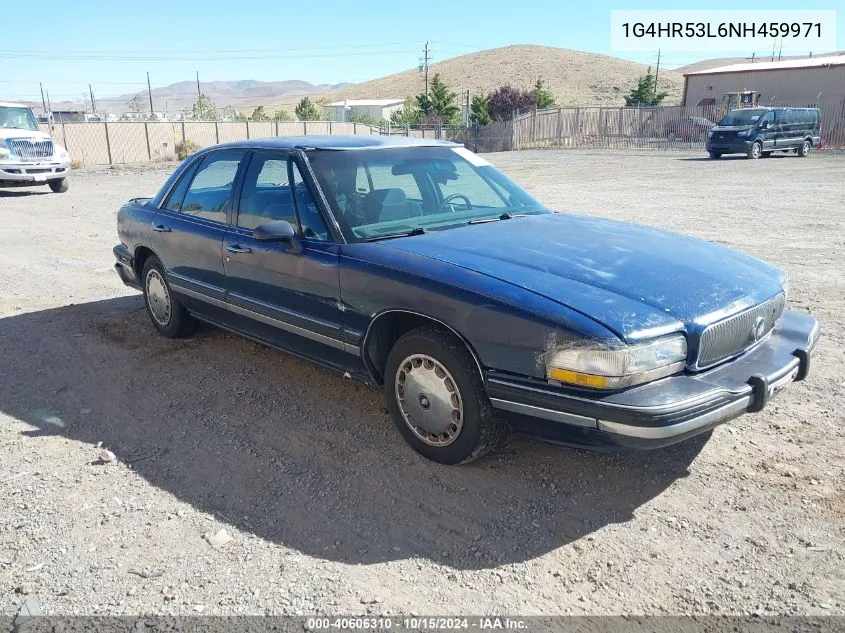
column 574, row 77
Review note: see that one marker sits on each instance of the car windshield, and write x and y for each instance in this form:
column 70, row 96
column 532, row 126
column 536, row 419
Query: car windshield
column 17, row 118
column 742, row 117
column 388, row 192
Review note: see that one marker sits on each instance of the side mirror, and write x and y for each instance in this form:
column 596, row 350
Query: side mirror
column 278, row 231
column 764, row 125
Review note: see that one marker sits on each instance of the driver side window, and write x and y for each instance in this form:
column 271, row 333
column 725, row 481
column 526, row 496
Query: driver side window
column 769, row 119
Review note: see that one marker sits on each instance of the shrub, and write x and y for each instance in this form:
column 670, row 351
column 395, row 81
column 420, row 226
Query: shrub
column 185, row 148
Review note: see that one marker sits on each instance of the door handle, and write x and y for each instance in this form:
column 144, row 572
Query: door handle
column 161, row 228
column 237, row 248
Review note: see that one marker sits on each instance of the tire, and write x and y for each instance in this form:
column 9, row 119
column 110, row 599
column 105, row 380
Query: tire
column 804, row 150
column 58, row 185
column 166, row 312
column 766, row 154
column 715, row 155
column 429, row 362
column 755, row 151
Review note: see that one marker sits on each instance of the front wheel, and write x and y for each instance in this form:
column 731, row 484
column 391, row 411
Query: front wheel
column 804, row 150
column 166, row 312
column 755, row 151
column 58, row 185
column 437, row 400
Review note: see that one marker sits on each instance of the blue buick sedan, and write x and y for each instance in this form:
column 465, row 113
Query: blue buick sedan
column 417, row 266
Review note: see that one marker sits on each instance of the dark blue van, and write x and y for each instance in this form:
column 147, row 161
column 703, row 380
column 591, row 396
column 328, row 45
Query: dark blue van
column 758, row 132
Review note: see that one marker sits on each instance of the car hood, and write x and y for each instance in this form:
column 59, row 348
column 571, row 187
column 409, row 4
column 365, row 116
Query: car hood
column 18, row 133
column 636, row 281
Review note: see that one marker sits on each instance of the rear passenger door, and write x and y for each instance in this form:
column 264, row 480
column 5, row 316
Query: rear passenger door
column 286, row 298
column 188, row 229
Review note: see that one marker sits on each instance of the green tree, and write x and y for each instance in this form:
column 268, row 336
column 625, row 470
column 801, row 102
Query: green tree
column 307, row 111
column 137, row 105
column 408, row 114
column 543, row 97
column 479, row 114
column 202, row 110
column 258, row 114
column 282, row 115
column 645, row 94
column 362, row 118
column 439, row 103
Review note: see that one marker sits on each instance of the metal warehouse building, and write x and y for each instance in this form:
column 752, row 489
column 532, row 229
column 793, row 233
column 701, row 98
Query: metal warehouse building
column 812, row 82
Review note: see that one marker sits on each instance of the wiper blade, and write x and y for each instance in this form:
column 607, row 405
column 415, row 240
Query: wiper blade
column 504, row 216
column 388, row 236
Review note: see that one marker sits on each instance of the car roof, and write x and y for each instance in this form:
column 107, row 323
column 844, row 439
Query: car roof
column 336, row 142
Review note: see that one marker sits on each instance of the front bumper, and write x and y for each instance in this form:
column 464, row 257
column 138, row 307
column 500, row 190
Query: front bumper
column 665, row 411
column 729, row 146
column 32, row 173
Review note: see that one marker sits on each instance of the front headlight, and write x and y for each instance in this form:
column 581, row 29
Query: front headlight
column 6, row 153
column 616, row 368
column 710, row 134
column 743, row 133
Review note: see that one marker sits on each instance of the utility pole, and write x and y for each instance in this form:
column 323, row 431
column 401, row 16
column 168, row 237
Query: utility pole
column 424, row 64
column 657, row 72
column 43, row 101
column 780, row 50
column 93, row 105
column 199, row 94
column 149, row 92
column 752, row 56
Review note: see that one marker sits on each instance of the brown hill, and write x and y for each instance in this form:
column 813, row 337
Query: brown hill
column 574, row 77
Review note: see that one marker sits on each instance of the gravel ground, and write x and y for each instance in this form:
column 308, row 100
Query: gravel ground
column 327, row 508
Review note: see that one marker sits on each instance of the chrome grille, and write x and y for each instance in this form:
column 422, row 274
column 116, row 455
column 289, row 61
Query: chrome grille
column 30, row 149
column 736, row 334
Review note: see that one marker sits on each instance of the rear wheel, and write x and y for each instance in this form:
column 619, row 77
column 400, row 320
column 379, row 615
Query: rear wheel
column 755, row 151
column 166, row 312
column 437, row 400
column 804, row 149
column 58, row 185
column 715, row 155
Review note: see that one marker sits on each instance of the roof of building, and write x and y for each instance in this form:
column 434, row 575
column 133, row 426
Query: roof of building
column 338, row 142
column 366, row 102
column 787, row 64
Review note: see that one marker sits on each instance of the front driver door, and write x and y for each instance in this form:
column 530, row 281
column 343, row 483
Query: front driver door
column 768, row 134
column 286, row 298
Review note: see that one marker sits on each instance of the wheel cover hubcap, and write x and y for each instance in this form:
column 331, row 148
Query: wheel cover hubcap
column 158, row 298
column 429, row 400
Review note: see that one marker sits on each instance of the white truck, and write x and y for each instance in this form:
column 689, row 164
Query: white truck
column 28, row 156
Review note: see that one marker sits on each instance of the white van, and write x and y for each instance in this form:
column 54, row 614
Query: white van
column 28, row 156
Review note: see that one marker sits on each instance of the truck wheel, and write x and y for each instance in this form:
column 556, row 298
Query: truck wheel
column 715, row 155
column 166, row 312
column 755, row 151
column 804, row 150
column 437, row 400
column 58, row 185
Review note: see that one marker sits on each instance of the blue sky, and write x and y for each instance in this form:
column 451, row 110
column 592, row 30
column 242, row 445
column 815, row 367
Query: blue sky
column 112, row 45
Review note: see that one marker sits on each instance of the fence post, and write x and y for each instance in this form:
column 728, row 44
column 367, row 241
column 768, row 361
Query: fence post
column 183, row 130
column 108, row 142
column 330, row 127
column 247, row 128
column 388, row 127
column 534, row 125
column 559, row 127
column 354, row 128
column 64, row 136
column 305, row 127
column 407, row 129
column 578, row 124
column 277, row 127
column 216, row 133
column 147, row 135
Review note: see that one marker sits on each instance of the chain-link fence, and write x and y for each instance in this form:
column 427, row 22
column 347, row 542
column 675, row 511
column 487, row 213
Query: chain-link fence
column 661, row 128
column 127, row 142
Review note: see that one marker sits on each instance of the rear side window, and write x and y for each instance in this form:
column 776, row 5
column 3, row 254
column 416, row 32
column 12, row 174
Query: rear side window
column 210, row 194
column 266, row 192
